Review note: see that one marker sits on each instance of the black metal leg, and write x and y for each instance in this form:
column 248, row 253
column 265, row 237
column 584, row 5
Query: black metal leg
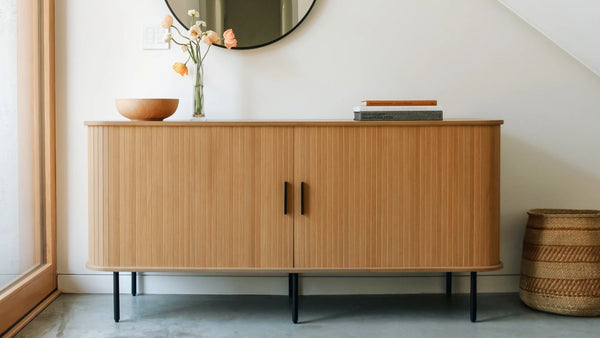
column 448, row 283
column 290, row 285
column 294, row 278
column 134, row 284
column 116, row 296
column 473, row 298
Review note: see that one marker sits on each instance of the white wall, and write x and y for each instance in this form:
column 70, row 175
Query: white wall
column 572, row 24
column 475, row 56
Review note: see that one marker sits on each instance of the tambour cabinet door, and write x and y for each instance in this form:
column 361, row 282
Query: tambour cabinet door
column 398, row 197
column 189, row 197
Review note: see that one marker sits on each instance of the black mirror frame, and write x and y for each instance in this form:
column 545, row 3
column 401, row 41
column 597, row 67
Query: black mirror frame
column 250, row 47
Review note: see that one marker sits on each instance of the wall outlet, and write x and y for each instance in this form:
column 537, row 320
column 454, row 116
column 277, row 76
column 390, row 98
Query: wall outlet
column 153, row 37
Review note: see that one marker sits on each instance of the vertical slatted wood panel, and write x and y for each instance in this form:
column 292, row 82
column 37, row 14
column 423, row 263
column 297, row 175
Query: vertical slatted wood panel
column 183, row 197
column 398, row 198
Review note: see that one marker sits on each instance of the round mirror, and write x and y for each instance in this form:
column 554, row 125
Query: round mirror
column 256, row 23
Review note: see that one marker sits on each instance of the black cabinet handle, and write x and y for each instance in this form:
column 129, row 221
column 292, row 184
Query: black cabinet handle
column 302, row 198
column 285, row 193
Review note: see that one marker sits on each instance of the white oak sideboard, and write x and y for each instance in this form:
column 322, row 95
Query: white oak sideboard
column 295, row 197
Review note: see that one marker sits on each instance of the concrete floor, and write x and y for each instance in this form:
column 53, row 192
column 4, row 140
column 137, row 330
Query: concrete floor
column 499, row 315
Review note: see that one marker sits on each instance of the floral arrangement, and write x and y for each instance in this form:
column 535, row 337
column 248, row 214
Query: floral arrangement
column 191, row 45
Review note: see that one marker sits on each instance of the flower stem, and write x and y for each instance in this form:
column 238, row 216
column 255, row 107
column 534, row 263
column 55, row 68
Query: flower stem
column 199, row 91
column 178, row 43
column 178, row 31
column 203, row 57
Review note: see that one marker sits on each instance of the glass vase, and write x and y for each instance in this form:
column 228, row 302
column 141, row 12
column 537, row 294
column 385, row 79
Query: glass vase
column 199, row 93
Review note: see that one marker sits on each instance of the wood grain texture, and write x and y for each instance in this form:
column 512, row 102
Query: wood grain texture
column 19, row 298
column 36, row 18
column 389, row 197
column 178, row 197
column 146, row 109
column 294, row 270
column 49, row 114
column 379, row 198
column 31, row 315
column 291, row 123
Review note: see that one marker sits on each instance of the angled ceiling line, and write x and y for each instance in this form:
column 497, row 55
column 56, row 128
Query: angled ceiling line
column 538, row 28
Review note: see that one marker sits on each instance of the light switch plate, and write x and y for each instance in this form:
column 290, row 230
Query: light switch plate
column 153, row 37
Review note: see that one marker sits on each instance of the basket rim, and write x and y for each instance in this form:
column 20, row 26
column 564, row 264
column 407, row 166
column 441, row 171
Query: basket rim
column 564, row 213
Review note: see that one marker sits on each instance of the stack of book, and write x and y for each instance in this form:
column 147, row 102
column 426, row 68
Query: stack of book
column 419, row 110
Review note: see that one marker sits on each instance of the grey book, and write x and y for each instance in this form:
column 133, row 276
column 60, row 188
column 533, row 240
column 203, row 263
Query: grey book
column 398, row 113
column 435, row 115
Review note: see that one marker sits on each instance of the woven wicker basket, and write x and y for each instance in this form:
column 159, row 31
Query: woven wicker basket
column 560, row 270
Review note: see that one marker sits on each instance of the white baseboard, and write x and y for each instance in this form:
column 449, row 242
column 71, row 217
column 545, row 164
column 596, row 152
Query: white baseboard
column 278, row 284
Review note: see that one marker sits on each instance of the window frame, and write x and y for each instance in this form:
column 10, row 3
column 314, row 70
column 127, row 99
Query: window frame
column 34, row 289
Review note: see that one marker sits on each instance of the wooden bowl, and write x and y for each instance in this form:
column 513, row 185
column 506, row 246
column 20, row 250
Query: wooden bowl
column 147, row 109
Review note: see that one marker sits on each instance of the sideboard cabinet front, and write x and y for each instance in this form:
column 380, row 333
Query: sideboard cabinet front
column 169, row 198
column 414, row 198
column 389, row 196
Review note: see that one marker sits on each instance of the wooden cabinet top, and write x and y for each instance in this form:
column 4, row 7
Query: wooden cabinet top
column 296, row 123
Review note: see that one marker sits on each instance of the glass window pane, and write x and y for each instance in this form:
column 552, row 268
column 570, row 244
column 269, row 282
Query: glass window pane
column 18, row 250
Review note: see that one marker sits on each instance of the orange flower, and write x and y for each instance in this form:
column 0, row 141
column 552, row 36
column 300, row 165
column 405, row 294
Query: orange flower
column 195, row 32
column 180, row 68
column 210, row 37
column 230, row 40
column 167, row 22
